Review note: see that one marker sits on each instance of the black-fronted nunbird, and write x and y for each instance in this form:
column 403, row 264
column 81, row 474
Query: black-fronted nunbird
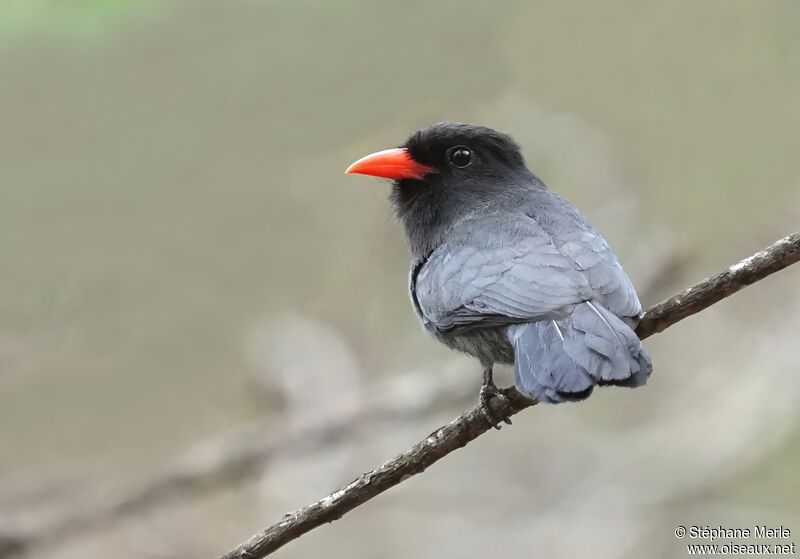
column 507, row 271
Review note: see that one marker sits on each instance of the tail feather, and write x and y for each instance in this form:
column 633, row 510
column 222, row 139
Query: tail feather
column 562, row 360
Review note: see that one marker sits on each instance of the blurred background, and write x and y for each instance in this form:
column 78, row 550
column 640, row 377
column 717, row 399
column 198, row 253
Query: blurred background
column 204, row 323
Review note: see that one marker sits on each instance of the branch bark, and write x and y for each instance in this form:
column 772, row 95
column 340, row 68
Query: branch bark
column 243, row 453
column 235, row 457
column 472, row 423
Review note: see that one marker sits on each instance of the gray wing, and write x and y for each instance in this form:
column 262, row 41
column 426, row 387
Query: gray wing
column 577, row 239
column 500, row 270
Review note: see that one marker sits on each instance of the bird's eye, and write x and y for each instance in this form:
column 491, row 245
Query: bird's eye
column 460, row 156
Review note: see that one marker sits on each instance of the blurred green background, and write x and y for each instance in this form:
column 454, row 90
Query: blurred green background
column 171, row 194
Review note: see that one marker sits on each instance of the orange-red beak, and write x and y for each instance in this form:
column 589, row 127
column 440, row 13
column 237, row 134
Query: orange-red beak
column 394, row 164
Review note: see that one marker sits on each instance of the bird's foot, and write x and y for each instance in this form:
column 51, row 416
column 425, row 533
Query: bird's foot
column 494, row 405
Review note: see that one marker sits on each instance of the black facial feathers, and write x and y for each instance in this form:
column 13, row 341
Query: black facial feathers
column 429, row 145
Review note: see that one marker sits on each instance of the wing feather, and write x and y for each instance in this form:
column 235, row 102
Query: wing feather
column 496, row 269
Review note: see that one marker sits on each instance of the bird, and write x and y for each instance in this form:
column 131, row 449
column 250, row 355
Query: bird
column 507, row 271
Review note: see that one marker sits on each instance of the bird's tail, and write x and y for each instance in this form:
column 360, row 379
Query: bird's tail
column 562, row 360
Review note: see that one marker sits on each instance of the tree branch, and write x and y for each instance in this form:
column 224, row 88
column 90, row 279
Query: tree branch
column 243, row 453
column 237, row 456
column 472, row 423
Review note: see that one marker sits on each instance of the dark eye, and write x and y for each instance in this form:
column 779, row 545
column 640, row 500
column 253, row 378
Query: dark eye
column 460, row 156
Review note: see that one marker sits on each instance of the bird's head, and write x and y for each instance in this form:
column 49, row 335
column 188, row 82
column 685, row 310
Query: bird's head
column 442, row 153
column 446, row 169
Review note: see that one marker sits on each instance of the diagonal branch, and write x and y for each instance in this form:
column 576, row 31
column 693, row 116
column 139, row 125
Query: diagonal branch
column 235, row 457
column 244, row 452
column 472, row 423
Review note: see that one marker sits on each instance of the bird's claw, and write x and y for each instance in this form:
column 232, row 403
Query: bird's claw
column 494, row 405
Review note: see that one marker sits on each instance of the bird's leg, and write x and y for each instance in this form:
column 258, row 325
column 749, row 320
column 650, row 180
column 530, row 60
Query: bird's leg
column 491, row 400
